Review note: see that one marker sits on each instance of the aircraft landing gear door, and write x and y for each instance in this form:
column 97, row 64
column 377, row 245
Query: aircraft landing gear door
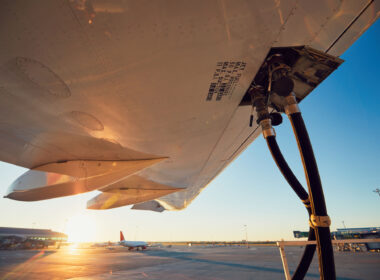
column 285, row 78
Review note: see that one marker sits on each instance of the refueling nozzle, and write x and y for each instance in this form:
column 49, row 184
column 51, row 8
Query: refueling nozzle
column 258, row 99
column 278, row 71
column 260, row 104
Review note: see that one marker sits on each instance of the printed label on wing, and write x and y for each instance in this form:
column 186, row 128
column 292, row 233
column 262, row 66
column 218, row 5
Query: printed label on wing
column 225, row 78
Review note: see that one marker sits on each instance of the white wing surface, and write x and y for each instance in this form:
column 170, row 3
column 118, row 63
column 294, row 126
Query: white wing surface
column 123, row 81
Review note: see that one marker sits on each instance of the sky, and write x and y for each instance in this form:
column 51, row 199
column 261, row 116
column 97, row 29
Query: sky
column 343, row 120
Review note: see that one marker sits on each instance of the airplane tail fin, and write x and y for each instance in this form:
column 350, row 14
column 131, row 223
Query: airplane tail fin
column 121, row 236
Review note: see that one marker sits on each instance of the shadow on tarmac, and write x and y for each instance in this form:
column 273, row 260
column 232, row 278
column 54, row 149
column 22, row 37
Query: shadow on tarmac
column 190, row 256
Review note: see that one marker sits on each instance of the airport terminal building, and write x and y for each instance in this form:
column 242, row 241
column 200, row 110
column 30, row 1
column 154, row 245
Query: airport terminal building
column 29, row 237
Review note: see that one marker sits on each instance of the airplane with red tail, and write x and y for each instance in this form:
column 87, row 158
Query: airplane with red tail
column 138, row 245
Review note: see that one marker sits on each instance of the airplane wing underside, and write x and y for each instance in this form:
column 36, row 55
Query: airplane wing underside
column 162, row 82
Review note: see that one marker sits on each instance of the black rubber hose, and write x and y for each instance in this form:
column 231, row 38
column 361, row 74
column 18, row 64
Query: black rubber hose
column 309, row 251
column 317, row 200
column 306, row 258
column 285, row 169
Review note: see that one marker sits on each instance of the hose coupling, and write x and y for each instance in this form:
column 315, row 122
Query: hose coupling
column 291, row 106
column 319, row 221
column 259, row 103
column 266, row 127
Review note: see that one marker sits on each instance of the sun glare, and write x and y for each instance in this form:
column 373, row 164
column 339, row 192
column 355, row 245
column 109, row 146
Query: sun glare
column 81, row 228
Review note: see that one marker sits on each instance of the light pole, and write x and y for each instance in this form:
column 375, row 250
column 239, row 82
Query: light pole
column 246, row 235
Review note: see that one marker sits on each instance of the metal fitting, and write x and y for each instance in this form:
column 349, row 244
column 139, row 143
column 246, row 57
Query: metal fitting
column 319, row 221
column 267, row 129
column 259, row 99
column 291, row 106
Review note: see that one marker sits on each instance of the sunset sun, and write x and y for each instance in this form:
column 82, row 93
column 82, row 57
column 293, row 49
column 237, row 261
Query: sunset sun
column 81, row 228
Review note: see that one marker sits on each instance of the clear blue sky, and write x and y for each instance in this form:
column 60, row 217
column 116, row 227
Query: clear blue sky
column 343, row 119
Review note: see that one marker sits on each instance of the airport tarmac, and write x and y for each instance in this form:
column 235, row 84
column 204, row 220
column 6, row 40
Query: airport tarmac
column 178, row 262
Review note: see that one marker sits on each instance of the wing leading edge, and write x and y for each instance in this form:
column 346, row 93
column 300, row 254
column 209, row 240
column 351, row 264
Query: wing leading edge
column 121, row 89
column 74, row 178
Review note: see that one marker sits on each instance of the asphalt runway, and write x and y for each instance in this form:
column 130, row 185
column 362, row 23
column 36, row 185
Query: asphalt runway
column 174, row 263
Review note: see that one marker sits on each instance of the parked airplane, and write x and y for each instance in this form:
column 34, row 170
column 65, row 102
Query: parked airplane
column 138, row 245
